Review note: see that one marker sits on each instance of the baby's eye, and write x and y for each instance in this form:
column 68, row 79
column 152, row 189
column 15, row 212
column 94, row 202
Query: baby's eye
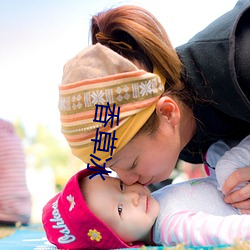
column 120, row 206
column 121, row 186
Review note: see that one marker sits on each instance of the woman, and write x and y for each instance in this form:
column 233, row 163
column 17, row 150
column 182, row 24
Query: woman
column 206, row 96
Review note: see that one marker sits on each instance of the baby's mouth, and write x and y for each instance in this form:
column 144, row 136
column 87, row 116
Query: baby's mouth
column 147, row 203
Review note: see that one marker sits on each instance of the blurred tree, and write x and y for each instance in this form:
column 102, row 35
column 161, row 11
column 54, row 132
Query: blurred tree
column 20, row 130
column 45, row 150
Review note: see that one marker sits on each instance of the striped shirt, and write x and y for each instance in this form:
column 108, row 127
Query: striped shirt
column 194, row 212
column 15, row 200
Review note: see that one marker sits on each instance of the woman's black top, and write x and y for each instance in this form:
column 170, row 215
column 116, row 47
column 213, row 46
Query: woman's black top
column 217, row 67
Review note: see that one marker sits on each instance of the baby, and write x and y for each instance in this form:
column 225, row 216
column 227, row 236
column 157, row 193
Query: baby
column 89, row 213
column 97, row 214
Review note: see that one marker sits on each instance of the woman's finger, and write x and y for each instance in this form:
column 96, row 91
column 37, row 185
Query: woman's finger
column 245, row 211
column 237, row 177
column 241, row 195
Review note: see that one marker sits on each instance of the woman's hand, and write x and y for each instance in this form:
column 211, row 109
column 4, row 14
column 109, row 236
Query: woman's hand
column 241, row 197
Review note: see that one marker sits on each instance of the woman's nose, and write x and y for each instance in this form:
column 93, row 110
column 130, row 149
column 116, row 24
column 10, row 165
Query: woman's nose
column 126, row 177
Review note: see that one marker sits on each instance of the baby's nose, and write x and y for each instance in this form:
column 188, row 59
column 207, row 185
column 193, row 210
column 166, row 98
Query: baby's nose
column 133, row 197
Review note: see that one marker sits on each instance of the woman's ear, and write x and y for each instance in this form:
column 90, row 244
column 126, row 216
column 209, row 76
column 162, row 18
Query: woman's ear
column 168, row 109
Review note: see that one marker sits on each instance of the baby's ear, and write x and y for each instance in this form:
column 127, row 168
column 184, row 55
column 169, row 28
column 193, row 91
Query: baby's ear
column 168, row 109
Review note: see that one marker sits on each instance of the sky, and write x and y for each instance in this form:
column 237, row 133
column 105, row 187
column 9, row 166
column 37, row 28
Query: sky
column 38, row 37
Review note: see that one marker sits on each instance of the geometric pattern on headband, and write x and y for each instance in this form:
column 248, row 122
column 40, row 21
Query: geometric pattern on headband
column 131, row 91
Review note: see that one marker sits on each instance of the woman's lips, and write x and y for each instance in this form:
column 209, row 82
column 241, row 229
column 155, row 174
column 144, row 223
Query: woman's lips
column 148, row 183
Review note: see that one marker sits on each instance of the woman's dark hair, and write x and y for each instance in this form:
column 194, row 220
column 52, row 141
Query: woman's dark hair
column 137, row 35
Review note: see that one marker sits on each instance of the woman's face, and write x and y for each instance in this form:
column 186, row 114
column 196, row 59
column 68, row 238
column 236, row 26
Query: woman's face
column 147, row 159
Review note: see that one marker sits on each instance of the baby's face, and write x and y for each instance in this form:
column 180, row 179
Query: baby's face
column 130, row 211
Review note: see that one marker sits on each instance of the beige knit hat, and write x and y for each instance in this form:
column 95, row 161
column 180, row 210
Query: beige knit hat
column 99, row 79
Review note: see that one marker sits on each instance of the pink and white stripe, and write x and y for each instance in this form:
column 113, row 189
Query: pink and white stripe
column 15, row 200
column 201, row 229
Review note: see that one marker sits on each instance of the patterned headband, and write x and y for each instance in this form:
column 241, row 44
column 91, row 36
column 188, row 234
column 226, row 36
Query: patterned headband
column 104, row 100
